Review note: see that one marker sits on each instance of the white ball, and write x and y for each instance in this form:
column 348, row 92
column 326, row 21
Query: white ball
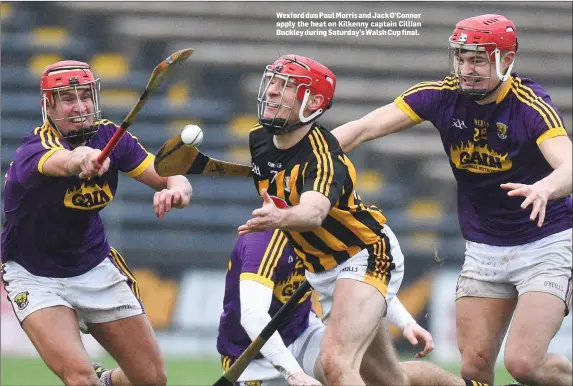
column 192, row 135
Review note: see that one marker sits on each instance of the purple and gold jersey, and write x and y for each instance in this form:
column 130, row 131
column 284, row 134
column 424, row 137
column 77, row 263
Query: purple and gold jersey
column 52, row 225
column 266, row 257
column 489, row 145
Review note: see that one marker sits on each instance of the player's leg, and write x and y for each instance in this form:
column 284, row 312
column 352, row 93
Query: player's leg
column 50, row 323
column 356, row 306
column 537, row 318
column 55, row 334
column 131, row 342
column 357, row 309
column 485, row 300
column 381, row 365
column 481, row 324
column 544, row 286
column 114, row 316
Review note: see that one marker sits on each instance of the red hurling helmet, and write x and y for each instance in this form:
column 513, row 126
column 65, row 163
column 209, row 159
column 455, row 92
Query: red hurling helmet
column 70, row 75
column 492, row 34
column 309, row 77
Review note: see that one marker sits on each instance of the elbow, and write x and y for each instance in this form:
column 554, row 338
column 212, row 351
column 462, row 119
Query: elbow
column 317, row 220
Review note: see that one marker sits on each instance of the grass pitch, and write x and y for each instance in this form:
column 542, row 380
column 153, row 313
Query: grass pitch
column 180, row 371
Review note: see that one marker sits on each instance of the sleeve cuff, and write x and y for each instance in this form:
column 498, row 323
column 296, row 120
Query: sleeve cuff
column 258, row 278
column 405, row 107
column 555, row 132
column 142, row 166
column 45, row 157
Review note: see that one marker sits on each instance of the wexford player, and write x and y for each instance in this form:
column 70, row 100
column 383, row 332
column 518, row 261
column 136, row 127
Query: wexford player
column 58, row 267
column 512, row 159
column 263, row 273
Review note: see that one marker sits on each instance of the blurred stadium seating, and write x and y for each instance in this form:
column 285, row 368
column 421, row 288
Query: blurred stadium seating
column 406, row 174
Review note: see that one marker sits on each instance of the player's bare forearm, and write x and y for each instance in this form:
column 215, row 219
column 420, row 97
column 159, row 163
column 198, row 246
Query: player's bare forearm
column 560, row 181
column 64, row 163
column 350, row 135
column 558, row 152
column 306, row 216
column 81, row 161
column 182, row 185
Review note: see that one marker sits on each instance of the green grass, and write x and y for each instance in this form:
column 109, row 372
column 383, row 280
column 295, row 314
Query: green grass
column 33, row 372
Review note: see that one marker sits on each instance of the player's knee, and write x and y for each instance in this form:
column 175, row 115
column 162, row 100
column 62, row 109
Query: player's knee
column 333, row 364
column 80, row 377
column 477, row 366
column 521, row 367
column 157, row 377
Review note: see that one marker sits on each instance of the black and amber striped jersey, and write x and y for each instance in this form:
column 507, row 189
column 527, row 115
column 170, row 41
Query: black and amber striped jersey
column 493, row 144
column 317, row 163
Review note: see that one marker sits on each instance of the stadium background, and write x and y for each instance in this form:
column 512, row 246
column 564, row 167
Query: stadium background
column 180, row 262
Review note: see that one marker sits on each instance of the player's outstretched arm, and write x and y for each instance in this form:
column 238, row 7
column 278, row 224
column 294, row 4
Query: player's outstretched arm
column 255, row 303
column 83, row 159
column 307, row 215
column 411, row 330
column 379, row 123
column 558, row 153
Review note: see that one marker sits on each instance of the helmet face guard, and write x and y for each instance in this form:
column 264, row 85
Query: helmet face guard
column 71, row 77
column 481, row 40
column 308, row 76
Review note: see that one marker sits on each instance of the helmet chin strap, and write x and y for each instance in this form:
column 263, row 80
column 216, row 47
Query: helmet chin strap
column 505, row 77
column 312, row 116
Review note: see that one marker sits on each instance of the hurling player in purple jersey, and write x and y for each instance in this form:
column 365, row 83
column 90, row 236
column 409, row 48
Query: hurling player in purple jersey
column 263, row 272
column 512, row 160
column 58, row 268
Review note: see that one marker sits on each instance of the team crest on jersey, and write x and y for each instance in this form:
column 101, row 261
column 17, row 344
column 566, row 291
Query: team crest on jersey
column 479, row 159
column 21, row 300
column 250, row 383
column 88, row 197
column 501, row 130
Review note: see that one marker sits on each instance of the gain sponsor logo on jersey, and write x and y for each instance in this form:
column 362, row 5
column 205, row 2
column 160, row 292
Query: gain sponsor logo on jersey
column 285, row 288
column 88, row 197
column 479, row 158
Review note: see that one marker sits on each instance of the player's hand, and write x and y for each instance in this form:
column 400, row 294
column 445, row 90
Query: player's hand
column 536, row 194
column 89, row 164
column 416, row 334
column 302, row 379
column 166, row 199
column 266, row 217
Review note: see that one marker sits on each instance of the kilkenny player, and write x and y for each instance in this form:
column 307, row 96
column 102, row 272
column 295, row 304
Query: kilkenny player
column 351, row 256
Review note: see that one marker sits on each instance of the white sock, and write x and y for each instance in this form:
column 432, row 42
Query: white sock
column 105, row 379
